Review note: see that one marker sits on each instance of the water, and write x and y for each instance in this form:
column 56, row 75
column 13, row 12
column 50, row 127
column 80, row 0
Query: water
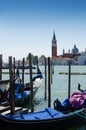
column 59, row 87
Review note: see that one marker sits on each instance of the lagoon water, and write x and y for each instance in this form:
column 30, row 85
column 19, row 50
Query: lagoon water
column 59, row 87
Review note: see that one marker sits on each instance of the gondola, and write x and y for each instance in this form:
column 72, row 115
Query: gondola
column 46, row 118
column 26, row 93
column 19, row 93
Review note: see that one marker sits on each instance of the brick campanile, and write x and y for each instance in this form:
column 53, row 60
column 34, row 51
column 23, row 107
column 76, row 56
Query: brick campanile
column 54, row 46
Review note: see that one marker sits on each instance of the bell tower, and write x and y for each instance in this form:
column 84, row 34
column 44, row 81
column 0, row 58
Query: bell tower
column 54, row 46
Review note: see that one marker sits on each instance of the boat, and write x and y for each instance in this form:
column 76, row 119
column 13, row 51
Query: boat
column 20, row 94
column 26, row 94
column 49, row 117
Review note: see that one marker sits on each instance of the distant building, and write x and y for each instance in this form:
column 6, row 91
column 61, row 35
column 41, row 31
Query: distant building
column 82, row 58
column 65, row 57
column 75, row 50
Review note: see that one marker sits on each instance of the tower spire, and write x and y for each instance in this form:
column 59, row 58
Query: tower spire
column 54, row 36
column 54, row 45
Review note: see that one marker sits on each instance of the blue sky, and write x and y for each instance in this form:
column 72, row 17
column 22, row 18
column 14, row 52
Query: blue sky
column 26, row 26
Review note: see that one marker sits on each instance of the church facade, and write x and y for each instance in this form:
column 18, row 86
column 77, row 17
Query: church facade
column 66, row 56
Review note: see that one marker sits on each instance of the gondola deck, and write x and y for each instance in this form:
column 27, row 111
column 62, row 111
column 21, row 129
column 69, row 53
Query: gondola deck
column 47, row 118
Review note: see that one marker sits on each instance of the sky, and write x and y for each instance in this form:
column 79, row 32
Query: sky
column 27, row 26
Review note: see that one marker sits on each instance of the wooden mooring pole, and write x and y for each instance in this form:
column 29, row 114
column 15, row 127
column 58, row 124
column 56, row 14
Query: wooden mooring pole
column 45, row 92
column 11, row 95
column 23, row 62
column 0, row 67
column 49, row 83
column 31, row 83
column 69, row 79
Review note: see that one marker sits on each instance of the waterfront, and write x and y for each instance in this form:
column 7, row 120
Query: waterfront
column 59, row 87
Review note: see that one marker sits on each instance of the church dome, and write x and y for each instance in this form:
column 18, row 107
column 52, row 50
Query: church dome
column 75, row 49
